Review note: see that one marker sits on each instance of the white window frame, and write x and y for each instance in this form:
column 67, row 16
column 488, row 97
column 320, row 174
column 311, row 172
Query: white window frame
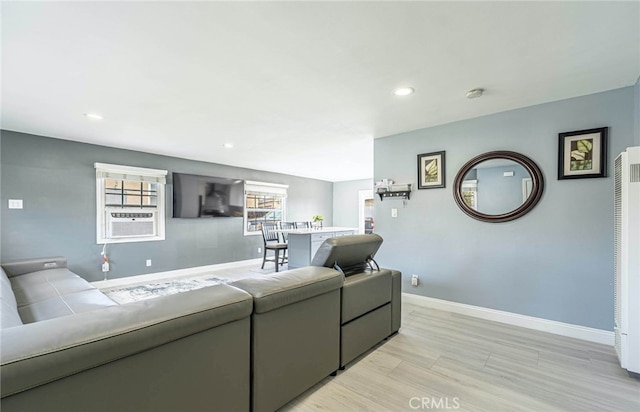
column 137, row 174
column 527, row 188
column 268, row 188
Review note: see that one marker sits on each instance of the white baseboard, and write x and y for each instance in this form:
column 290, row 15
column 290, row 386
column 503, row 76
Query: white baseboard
column 559, row 328
column 129, row 280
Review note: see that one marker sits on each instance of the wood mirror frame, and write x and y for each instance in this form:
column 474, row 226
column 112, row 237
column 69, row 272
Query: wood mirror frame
column 536, row 191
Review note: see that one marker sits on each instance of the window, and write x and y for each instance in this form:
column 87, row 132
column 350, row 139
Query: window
column 130, row 203
column 264, row 202
column 127, row 193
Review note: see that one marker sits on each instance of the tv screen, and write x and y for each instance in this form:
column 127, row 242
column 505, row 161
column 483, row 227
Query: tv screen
column 206, row 196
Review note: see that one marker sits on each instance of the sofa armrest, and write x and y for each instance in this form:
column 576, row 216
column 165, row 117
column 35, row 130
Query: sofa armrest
column 396, row 300
column 41, row 352
column 33, row 265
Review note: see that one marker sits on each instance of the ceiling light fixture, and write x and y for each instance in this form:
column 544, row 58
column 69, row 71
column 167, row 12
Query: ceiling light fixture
column 93, row 116
column 474, row 93
column 228, row 145
column 403, row 91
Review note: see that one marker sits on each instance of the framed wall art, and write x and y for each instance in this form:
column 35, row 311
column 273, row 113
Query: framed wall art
column 582, row 154
column 431, row 170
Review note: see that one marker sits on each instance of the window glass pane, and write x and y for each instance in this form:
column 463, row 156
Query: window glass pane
column 128, row 184
column 112, row 184
column 261, row 208
column 150, row 201
column 125, row 193
column 132, row 200
column 149, row 193
column 113, row 200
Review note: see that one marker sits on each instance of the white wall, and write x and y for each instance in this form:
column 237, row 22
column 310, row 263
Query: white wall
column 636, row 113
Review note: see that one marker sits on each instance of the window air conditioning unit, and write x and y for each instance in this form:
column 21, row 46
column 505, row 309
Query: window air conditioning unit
column 627, row 259
column 128, row 224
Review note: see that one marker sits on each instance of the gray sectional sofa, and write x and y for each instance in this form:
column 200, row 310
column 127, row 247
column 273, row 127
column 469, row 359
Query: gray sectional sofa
column 295, row 333
column 255, row 344
column 67, row 347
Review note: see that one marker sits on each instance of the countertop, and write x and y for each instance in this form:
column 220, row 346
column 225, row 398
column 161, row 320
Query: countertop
column 318, row 230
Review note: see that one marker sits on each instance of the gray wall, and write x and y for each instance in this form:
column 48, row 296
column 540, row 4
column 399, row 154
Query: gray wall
column 636, row 113
column 345, row 201
column 554, row 263
column 56, row 180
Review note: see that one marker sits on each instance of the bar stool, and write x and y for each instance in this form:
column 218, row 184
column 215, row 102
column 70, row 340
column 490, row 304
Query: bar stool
column 271, row 240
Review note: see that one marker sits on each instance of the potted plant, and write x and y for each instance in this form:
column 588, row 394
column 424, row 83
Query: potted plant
column 317, row 220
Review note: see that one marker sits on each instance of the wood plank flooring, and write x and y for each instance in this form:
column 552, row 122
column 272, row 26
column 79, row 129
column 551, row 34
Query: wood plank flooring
column 445, row 361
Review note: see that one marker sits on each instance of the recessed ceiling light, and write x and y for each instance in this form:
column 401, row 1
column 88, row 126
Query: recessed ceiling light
column 228, row 145
column 403, row 91
column 93, row 116
column 472, row 94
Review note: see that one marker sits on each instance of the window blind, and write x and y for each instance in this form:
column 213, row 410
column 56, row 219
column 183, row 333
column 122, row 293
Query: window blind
column 134, row 174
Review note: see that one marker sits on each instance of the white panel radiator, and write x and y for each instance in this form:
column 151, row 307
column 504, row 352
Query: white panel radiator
column 627, row 259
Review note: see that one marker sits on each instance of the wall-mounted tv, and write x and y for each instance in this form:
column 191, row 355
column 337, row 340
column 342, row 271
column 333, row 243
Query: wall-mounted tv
column 207, row 196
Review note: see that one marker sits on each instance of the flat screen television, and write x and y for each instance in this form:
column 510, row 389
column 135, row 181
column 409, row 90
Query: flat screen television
column 207, row 196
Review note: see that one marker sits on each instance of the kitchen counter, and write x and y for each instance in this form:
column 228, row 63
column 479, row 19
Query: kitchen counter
column 319, row 230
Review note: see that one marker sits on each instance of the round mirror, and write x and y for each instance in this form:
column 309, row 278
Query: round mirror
column 498, row 186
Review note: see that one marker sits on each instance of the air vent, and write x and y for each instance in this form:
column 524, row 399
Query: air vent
column 634, row 173
column 627, row 256
column 131, row 215
column 127, row 224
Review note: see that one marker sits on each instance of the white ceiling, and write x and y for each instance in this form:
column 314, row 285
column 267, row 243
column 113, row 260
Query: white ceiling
column 300, row 88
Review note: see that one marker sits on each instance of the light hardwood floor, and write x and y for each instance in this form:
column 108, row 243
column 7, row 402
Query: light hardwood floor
column 445, row 361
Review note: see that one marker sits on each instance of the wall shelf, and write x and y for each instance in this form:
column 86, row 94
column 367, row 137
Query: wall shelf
column 397, row 192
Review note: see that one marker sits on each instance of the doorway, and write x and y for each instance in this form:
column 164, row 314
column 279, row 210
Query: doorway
column 365, row 211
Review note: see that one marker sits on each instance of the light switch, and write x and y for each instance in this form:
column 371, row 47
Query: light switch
column 394, row 212
column 15, row 203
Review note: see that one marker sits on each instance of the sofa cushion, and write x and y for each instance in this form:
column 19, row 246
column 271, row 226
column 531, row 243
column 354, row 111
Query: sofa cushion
column 51, row 293
column 47, row 284
column 64, row 305
column 8, row 305
column 285, row 288
column 6, row 293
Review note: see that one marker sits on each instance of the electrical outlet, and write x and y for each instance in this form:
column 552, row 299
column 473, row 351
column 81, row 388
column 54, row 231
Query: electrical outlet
column 414, row 280
column 105, row 267
column 148, row 262
column 259, row 250
column 394, row 212
column 15, row 203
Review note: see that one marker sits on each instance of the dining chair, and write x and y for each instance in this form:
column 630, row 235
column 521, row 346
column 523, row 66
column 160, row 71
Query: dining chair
column 271, row 239
column 302, row 225
column 286, row 226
